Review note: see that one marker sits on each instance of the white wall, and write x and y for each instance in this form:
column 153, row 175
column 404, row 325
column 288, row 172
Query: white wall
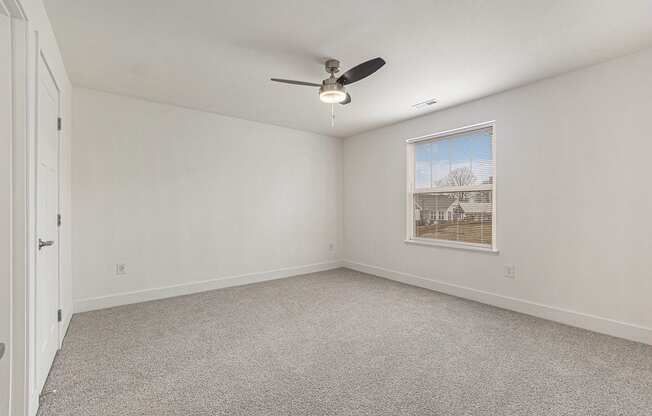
column 188, row 200
column 573, row 200
column 182, row 196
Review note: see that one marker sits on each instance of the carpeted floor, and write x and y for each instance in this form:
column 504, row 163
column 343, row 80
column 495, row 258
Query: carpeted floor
column 339, row 343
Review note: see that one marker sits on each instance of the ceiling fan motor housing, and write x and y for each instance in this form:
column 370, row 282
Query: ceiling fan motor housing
column 332, row 66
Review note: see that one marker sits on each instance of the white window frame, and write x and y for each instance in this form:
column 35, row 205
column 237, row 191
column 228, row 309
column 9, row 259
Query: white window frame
column 410, row 227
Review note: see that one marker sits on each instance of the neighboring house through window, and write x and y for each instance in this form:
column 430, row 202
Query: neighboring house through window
column 451, row 188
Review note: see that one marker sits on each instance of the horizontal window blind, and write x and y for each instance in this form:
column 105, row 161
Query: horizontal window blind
column 454, row 216
column 453, row 185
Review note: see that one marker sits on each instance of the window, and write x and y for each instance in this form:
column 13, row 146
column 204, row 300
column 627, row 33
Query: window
column 451, row 188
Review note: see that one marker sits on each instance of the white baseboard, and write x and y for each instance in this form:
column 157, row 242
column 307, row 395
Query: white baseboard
column 102, row 302
column 577, row 319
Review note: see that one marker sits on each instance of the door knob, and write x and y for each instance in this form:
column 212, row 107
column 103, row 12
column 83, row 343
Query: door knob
column 42, row 243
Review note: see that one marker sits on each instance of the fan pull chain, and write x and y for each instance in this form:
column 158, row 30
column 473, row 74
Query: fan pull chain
column 332, row 115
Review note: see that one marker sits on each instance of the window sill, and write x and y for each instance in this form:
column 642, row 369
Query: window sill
column 453, row 245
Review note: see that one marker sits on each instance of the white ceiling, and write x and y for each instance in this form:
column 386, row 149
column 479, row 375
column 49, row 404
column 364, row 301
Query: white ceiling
column 218, row 56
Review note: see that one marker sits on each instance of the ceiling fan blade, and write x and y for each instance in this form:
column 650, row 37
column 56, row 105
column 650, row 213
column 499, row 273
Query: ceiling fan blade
column 347, row 100
column 361, row 71
column 293, row 82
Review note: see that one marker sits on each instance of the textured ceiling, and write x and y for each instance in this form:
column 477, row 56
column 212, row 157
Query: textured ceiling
column 218, row 56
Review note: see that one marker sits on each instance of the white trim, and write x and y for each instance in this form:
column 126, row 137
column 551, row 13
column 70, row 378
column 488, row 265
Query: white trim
column 450, row 189
column 125, row 298
column 20, row 359
column 450, row 132
column 494, row 194
column 409, row 207
column 13, row 9
column 32, row 42
column 590, row 322
column 7, row 176
column 486, row 248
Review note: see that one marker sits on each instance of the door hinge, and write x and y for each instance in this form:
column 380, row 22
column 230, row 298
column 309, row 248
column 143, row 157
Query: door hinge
column 59, row 123
column 59, row 315
column 58, row 220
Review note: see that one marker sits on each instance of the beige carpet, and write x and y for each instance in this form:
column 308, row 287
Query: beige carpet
column 339, row 343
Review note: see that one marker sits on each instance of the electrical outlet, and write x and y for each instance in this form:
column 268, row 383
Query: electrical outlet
column 510, row 271
column 120, row 269
column 331, row 247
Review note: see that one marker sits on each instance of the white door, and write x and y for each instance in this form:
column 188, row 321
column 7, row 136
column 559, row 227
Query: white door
column 47, row 233
column 5, row 208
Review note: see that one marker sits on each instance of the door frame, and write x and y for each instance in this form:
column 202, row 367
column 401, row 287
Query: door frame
column 18, row 347
column 26, row 52
column 6, row 228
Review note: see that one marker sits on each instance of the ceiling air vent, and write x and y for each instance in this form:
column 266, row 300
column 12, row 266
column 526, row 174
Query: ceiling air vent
column 424, row 104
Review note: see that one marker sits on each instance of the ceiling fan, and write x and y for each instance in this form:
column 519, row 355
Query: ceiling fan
column 332, row 90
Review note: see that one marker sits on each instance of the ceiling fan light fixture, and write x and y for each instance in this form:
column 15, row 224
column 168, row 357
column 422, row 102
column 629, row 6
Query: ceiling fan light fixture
column 332, row 93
